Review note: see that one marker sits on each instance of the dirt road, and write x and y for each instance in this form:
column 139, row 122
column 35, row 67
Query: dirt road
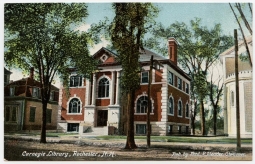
column 19, row 150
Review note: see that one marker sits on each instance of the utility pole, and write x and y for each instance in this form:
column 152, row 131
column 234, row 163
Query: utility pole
column 149, row 105
column 154, row 64
column 238, row 146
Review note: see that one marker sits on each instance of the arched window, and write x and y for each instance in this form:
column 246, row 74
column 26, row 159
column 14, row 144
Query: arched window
column 187, row 110
column 179, row 108
column 74, row 106
column 232, row 98
column 171, row 106
column 142, row 104
column 103, row 88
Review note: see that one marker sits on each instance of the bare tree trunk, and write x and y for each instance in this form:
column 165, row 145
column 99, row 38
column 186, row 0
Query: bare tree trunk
column 194, row 117
column 130, row 144
column 43, row 125
column 202, row 114
column 214, row 119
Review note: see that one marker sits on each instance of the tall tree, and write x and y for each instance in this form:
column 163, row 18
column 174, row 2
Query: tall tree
column 131, row 22
column 41, row 35
column 199, row 48
column 215, row 93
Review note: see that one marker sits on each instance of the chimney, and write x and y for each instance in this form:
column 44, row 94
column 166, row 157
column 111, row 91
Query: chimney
column 31, row 73
column 172, row 50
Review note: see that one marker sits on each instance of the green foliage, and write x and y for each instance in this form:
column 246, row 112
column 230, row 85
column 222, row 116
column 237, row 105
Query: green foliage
column 199, row 47
column 41, row 35
column 127, row 30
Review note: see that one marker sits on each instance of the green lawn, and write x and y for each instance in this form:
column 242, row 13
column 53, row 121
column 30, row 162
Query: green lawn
column 188, row 139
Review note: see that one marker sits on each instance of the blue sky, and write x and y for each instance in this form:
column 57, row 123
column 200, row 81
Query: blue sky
column 210, row 13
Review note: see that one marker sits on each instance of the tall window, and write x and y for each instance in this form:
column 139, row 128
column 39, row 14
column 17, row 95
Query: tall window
column 145, row 77
column 142, row 104
column 48, row 115
column 179, row 83
column 187, row 88
column 103, row 88
column 32, row 114
column 74, row 106
column 75, row 81
column 171, row 106
column 187, row 110
column 11, row 113
column 170, row 78
column 232, row 98
column 179, row 108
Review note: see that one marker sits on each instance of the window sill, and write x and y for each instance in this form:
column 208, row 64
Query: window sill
column 103, row 98
column 143, row 113
column 170, row 114
column 74, row 113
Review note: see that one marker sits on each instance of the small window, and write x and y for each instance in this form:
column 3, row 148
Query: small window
column 171, row 106
column 232, row 98
column 140, row 128
column 48, row 115
column 179, row 108
column 170, row 78
column 75, row 81
column 74, row 106
column 35, row 93
column 73, row 127
column 52, row 95
column 170, row 129
column 32, row 114
column 187, row 110
column 179, row 83
column 187, row 129
column 180, row 129
column 145, row 77
column 12, row 91
column 187, row 88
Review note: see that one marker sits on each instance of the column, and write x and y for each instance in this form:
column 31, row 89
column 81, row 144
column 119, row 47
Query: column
column 88, row 91
column 117, row 88
column 112, row 88
column 94, row 90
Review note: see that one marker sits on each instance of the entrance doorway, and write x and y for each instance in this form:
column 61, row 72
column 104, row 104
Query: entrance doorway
column 102, row 116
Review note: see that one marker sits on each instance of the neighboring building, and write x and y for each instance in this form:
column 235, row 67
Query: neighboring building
column 95, row 105
column 7, row 75
column 23, row 107
column 245, row 91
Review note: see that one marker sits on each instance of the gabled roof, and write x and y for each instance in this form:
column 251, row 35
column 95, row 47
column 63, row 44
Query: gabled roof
column 144, row 59
column 106, row 50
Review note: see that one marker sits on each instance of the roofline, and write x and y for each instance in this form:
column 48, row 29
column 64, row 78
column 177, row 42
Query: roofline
column 232, row 48
column 103, row 48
